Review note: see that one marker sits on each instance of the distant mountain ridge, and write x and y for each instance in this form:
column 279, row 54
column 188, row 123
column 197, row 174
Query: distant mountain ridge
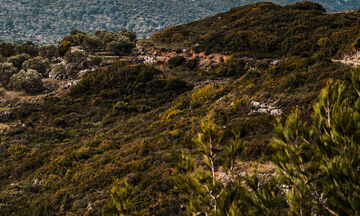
column 47, row 21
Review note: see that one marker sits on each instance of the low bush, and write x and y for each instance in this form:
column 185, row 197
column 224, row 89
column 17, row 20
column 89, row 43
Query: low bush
column 6, row 71
column 59, row 72
column 356, row 44
column 252, row 73
column 49, row 51
column 18, row 60
column 176, row 61
column 206, row 94
column 39, row 64
column 231, row 67
column 193, row 63
column 29, row 80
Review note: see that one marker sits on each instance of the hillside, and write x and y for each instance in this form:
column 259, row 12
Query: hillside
column 132, row 115
column 46, row 22
column 267, row 30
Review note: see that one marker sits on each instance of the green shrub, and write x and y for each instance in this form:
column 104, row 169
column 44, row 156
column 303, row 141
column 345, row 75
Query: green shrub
column 39, row 64
column 64, row 47
column 231, row 67
column 176, row 61
column 27, row 48
column 121, row 46
column 307, row 5
column 18, row 60
column 96, row 61
column 252, row 73
column 49, row 51
column 206, row 94
column 59, row 72
column 356, row 44
column 174, row 84
column 6, row 71
column 77, row 58
column 137, row 84
column 29, row 80
column 122, row 107
column 91, row 42
column 319, row 162
column 293, row 81
column 193, row 63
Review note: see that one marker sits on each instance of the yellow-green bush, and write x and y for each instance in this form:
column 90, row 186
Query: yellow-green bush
column 170, row 113
column 206, row 94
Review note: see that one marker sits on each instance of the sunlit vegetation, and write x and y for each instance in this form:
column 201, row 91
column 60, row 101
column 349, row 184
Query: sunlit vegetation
column 65, row 154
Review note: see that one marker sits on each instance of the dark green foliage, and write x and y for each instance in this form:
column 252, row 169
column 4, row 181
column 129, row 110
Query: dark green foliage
column 319, row 162
column 6, row 71
column 142, row 16
column 207, row 194
column 293, row 82
column 176, row 61
column 267, row 30
column 64, row 47
column 252, row 73
column 192, row 63
column 231, row 67
column 120, row 47
column 123, row 107
column 29, row 80
column 129, row 82
column 39, row 64
column 49, row 51
column 18, row 60
column 356, row 44
column 11, row 49
column 76, row 58
column 90, row 43
column 307, row 5
column 120, row 204
column 130, row 121
column 118, row 42
column 7, row 49
column 28, row 48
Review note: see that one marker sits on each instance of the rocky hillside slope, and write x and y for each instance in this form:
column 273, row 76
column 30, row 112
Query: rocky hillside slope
column 59, row 155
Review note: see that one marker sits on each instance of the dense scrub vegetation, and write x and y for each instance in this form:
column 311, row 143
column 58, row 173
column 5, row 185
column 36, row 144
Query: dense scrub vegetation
column 318, row 165
column 137, row 122
column 52, row 20
column 24, row 66
column 118, row 42
column 267, row 30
